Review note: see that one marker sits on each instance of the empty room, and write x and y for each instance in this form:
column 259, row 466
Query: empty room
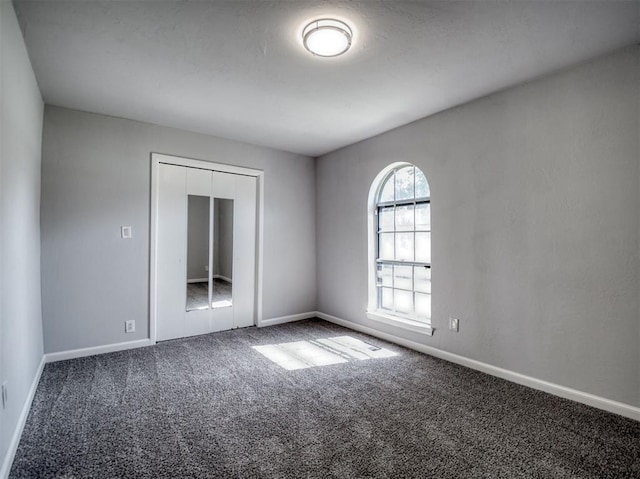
column 309, row 239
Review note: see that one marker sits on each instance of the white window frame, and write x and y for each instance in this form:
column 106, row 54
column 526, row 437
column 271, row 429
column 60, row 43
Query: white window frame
column 373, row 312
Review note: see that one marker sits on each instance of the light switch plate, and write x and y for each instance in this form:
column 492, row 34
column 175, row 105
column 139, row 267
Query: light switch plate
column 126, row 232
column 453, row 324
column 5, row 394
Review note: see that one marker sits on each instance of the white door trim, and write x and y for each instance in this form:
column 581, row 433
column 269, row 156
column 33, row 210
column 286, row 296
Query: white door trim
column 156, row 159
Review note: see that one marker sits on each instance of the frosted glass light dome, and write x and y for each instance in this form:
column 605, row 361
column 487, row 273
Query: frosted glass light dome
column 327, row 37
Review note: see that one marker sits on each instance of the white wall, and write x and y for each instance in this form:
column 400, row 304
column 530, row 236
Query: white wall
column 96, row 178
column 535, row 197
column 20, row 140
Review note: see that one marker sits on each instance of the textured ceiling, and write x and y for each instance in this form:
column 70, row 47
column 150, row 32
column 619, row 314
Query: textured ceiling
column 237, row 69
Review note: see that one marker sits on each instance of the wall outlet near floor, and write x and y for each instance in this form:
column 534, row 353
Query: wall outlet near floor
column 453, row 324
column 5, row 394
column 130, row 326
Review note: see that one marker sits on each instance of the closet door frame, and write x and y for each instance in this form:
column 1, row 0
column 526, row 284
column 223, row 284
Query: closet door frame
column 156, row 160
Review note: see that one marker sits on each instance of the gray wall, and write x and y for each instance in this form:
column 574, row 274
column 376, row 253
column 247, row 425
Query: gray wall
column 20, row 140
column 96, row 177
column 536, row 228
column 197, row 237
column 223, row 254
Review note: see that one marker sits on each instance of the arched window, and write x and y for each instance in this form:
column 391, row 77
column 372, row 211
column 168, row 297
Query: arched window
column 400, row 248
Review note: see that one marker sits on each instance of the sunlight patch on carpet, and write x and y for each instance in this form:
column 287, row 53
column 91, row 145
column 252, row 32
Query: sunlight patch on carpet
column 321, row 352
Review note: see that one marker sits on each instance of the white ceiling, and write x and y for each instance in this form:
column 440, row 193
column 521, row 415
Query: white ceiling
column 237, row 69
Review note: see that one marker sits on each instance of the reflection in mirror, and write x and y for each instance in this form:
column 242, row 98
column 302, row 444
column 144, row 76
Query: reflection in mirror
column 198, row 253
column 222, row 253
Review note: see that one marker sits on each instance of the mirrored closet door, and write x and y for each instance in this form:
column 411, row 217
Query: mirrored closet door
column 205, row 251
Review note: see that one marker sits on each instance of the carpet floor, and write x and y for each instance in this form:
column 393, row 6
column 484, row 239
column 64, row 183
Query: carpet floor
column 198, row 294
column 214, row 406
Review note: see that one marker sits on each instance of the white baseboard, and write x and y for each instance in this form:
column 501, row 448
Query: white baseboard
column 22, row 420
column 616, row 407
column 599, row 402
column 108, row 348
column 286, row 319
column 204, row 280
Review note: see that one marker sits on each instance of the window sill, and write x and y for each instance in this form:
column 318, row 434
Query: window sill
column 399, row 322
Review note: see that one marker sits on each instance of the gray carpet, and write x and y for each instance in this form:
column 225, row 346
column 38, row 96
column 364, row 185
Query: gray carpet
column 198, row 293
column 212, row 406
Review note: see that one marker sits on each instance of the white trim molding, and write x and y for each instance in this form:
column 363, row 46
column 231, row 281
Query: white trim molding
column 287, row 319
column 599, row 402
column 413, row 326
column 107, row 348
column 204, row 280
column 22, row 420
column 223, row 278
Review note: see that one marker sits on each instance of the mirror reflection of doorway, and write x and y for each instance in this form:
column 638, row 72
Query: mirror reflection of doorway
column 199, row 281
column 206, row 256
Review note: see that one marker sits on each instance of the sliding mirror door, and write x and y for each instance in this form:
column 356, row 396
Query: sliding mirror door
column 206, row 254
column 195, row 271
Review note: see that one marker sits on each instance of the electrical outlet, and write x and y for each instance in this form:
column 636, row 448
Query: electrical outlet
column 206, row 267
column 453, row 324
column 130, row 326
column 5, row 394
column 125, row 232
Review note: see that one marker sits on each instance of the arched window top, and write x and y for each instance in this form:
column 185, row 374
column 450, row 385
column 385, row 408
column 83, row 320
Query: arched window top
column 400, row 248
column 404, row 183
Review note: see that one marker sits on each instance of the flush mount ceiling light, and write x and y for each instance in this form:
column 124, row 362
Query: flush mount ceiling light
column 327, row 37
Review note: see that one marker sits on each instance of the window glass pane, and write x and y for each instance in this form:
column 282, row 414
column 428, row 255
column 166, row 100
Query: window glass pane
column 423, row 216
column 385, row 275
column 386, row 193
column 422, row 279
column 386, row 245
column 387, row 298
column 386, row 218
column 403, row 301
column 422, row 187
column 404, row 183
column 404, row 235
column 404, row 218
column 423, row 247
column 402, row 277
column 404, row 246
column 423, row 306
